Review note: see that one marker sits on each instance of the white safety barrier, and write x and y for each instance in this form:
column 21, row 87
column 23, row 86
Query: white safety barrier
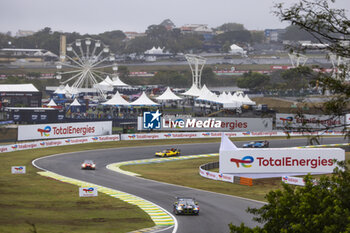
column 152, row 136
column 60, row 142
column 216, row 175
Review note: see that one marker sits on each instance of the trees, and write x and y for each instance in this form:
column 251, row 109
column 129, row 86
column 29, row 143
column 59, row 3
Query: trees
column 325, row 206
column 253, row 80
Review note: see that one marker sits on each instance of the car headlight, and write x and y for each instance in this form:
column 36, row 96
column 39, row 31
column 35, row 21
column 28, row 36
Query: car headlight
column 179, row 208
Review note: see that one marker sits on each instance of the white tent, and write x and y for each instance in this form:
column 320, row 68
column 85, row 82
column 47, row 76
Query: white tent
column 75, row 103
column 116, row 82
column 117, row 99
column 61, row 90
column 51, row 103
column 106, row 82
column 193, row 91
column 248, row 101
column 155, row 50
column 236, row 50
column 168, row 95
column 143, row 100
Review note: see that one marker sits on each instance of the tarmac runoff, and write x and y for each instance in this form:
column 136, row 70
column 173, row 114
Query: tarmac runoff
column 160, row 217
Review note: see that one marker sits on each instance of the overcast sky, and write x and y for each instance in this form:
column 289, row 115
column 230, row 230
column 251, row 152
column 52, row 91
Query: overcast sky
column 97, row 16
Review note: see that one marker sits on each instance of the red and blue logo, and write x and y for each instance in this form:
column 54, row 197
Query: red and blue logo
column 206, row 134
column 287, row 120
column 245, row 161
column 132, row 136
column 167, row 135
column 45, row 132
column 88, row 190
column 67, row 141
column 95, row 138
column 14, row 147
column 42, row 143
column 246, row 133
column 19, row 168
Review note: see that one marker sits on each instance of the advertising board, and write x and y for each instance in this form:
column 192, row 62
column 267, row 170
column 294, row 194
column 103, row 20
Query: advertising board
column 280, row 160
column 347, row 120
column 18, row 169
column 64, row 130
column 88, row 192
column 154, row 121
column 310, row 121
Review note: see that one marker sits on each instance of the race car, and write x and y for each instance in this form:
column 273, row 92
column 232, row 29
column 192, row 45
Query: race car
column 168, row 153
column 256, row 144
column 186, row 205
column 88, row 164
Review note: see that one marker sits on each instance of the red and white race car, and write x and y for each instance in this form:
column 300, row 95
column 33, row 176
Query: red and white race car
column 88, row 164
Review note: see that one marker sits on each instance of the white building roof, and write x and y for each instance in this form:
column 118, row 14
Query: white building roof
column 18, row 88
column 143, row 100
column 168, row 95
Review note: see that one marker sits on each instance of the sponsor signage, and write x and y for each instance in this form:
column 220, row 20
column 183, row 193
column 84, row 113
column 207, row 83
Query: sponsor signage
column 216, row 176
column 88, row 192
column 64, row 130
column 154, row 120
column 295, row 180
column 59, row 142
column 347, row 120
column 280, row 160
column 311, row 121
column 18, row 169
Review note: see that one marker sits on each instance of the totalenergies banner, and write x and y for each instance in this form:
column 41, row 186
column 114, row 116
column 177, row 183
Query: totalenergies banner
column 280, row 160
column 64, row 130
column 307, row 120
column 58, row 142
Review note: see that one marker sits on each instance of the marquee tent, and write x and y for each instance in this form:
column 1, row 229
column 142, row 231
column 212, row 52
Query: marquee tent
column 155, row 51
column 116, row 82
column 236, row 50
column 51, row 103
column 193, row 91
column 75, row 103
column 168, row 95
column 117, row 99
column 143, row 100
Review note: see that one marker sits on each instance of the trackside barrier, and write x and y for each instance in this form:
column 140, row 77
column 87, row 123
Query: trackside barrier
column 60, row 142
column 203, row 171
column 152, row 136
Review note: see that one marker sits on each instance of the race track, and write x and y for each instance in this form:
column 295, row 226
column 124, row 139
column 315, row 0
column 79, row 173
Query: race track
column 217, row 210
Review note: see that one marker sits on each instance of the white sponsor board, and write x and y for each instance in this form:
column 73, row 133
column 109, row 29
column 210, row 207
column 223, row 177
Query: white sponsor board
column 216, row 176
column 18, row 169
column 148, row 136
column 64, row 130
column 280, row 160
column 236, row 124
column 293, row 180
column 59, row 142
column 347, row 120
column 88, row 192
column 310, row 121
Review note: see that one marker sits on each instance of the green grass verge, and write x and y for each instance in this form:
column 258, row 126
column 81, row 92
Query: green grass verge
column 185, row 173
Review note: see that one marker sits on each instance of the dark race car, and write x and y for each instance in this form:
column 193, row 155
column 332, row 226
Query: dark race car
column 88, row 164
column 186, row 205
column 256, row 144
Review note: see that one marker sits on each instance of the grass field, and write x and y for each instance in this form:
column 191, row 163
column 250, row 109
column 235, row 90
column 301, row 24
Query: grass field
column 186, row 173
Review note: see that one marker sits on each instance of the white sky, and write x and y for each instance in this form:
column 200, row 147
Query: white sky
column 97, row 16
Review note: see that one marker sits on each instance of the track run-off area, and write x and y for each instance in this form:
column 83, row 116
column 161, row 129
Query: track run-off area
column 156, row 198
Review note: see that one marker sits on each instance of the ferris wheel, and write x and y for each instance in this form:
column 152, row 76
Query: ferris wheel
column 84, row 63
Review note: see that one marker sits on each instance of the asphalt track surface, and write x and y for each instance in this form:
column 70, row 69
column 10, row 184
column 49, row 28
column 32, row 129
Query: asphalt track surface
column 216, row 210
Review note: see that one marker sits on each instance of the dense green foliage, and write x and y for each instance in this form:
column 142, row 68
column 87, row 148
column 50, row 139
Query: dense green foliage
column 321, row 207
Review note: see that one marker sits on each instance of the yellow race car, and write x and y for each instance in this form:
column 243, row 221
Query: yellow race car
column 168, row 153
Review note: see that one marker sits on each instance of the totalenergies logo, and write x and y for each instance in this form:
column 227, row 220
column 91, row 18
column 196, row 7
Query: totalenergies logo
column 287, row 120
column 18, row 168
column 88, row 190
column 245, row 161
column 206, row 134
column 14, row 147
column 167, row 135
column 45, row 132
column 133, row 136
column 95, row 138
